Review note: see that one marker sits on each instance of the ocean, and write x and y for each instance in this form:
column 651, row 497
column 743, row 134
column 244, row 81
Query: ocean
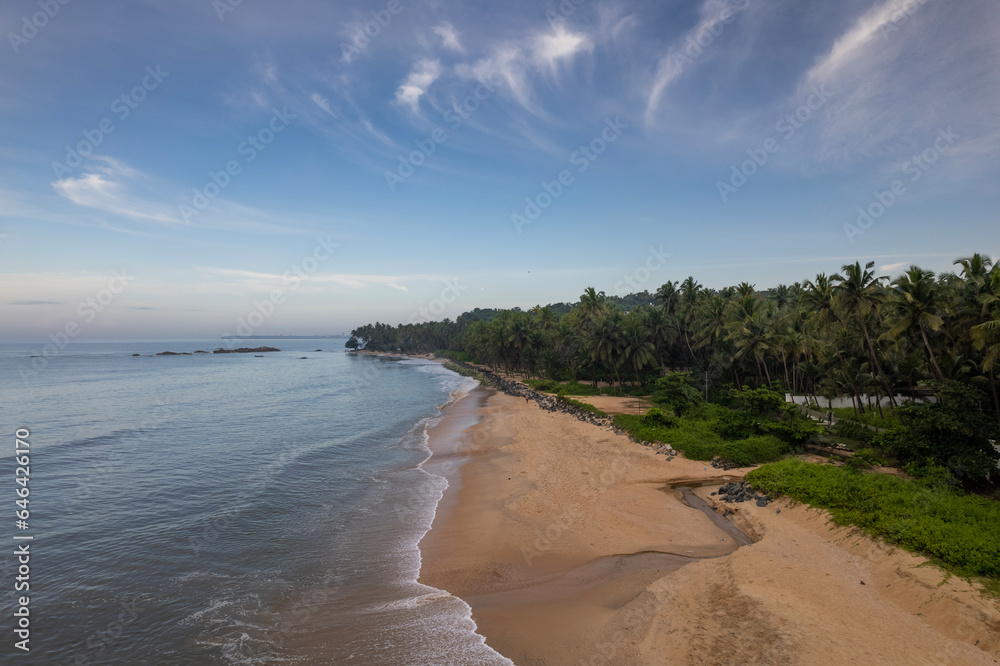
column 225, row 508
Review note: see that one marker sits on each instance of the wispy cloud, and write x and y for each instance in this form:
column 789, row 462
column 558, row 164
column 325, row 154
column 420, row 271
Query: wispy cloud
column 110, row 186
column 449, row 37
column 560, row 46
column 264, row 281
column 424, row 73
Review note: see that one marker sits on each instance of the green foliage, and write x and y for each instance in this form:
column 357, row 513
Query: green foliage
column 582, row 405
column 759, row 402
column 764, row 412
column 959, row 532
column 656, row 418
column 461, row 356
column 854, row 431
column 870, row 417
column 699, row 441
column 466, row 372
column 677, row 391
column 953, row 432
column 869, row 457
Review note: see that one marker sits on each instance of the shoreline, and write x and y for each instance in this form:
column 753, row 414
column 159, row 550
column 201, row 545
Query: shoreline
column 570, row 545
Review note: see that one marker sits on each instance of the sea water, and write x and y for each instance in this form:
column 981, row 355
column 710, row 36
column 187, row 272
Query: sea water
column 225, row 508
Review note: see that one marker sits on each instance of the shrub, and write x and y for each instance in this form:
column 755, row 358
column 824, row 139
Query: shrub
column 954, row 432
column 677, row 391
column 854, row 431
column 759, row 402
column 656, row 418
column 960, row 532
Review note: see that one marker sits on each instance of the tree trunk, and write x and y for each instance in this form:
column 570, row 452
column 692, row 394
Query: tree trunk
column 878, row 366
column 930, row 353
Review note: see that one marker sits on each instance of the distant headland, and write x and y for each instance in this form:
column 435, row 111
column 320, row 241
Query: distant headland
column 285, row 337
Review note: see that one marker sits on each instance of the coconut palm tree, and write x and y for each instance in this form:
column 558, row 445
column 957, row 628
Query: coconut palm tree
column 914, row 307
column 858, row 292
column 637, row 349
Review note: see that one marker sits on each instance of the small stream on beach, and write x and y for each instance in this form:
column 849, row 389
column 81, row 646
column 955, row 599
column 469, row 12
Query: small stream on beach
column 692, row 500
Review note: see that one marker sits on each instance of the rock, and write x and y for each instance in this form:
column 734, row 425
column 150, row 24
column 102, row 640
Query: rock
column 170, row 353
column 201, row 352
column 136, row 354
column 303, row 358
column 246, row 350
column 318, row 350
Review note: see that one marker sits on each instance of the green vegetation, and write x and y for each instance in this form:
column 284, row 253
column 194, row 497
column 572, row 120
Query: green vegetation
column 954, row 432
column 460, row 356
column 854, row 334
column 584, row 406
column 854, row 432
column 565, row 388
column 760, row 429
column 466, row 372
column 928, row 516
column 884, row 420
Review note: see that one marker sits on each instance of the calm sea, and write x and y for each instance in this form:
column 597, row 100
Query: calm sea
column 224, row 508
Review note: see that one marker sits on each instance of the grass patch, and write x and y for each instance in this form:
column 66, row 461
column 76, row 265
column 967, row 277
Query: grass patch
column 959, row 532
column 699, row 441
column 871, row 418
column 584, row 406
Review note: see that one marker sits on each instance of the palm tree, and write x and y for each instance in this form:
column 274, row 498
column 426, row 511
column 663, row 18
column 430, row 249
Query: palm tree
column 637, row 349
column 592, row 306
column 687, row 308
column 818, row 297
column 661, row 333
column 986, row 335
column 915, row 305
column 668, row 296
column 859, row 294
column 604, row 342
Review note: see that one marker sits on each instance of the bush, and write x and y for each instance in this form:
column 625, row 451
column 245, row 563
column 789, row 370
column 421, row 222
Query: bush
column 677, row 391
column 698, row 440
column 854, row 431
column 960, row 532
column 954, row 432
column 759, row 402
column 656, row 418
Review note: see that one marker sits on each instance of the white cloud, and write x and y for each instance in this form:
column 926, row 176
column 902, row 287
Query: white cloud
column 322, row 103
column 266, row 281
column 549, row 50
column 110, row 186
column 852, row 44
column 672, row 65
column 449, row 37
column 106, row 191
column 424, row 73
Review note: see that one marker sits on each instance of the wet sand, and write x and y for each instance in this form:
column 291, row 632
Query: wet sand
column 573, row 545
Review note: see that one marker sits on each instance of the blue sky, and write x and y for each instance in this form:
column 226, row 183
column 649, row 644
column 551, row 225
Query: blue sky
column 736, row 139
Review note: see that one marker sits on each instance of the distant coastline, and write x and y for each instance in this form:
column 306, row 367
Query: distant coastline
column 285, row 337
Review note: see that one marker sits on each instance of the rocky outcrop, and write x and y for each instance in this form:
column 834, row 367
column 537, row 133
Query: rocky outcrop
column 246, row 350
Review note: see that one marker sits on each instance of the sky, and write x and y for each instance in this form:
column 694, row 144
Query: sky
column 223, row 167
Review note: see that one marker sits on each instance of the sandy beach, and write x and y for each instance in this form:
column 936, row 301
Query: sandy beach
column 573, row 545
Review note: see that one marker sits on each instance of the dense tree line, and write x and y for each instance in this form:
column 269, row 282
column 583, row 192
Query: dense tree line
column 854, row 333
